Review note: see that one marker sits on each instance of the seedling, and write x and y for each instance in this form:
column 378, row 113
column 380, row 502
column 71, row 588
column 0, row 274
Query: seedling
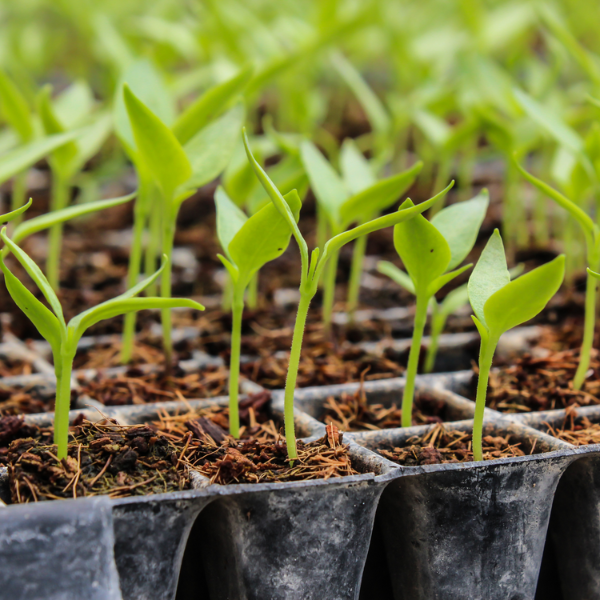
column 180, row 162
column 63, row 337
column 312, row 269
column 500, row 304
column 358, row 201
column 431, row 253
column 249, row 243
column 591, row 233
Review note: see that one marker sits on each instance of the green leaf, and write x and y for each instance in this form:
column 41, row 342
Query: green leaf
column 89, row 142
column 403, row 214
column 262, row 238
column 41, row 222
column 13, row 214
column 73, row 105
column 436, row 130
column 423, row 250
column 210, row 105
column 442, row 280
column 211, row 149
column 36, row 274
column 489, row 275
column 230, row 219
column 355, row 168
column 325, row 183
column 157, row 146
column 116, row 307
column 593, row 273
column 25, row 156
column 146, row 82
column 483, row 332
column 395, row 274
column 42, row 318
column 454, row 300
column 525, row 297
column 460, row 223
column 231, row 268
column 579, row 215
column 15, row 108
column 378, row 197
column 138, row 288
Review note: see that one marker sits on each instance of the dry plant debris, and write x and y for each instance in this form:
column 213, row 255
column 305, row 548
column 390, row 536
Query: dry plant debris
column 577, row 431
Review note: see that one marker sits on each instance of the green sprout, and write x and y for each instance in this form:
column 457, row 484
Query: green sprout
column 357, row 199
column 500, row 304
column 591, row 234
column 63, row 337
column 431, row 253
column 312, row 269
column 180, row 161
column 248, row 243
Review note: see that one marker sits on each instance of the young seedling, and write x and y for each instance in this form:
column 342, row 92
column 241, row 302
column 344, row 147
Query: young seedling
column 500, row 304
column 340, row 205
column 591, row 234
column 312, row 269
column 63, row 337
column 248, row 243
column 431, row 253
column 180, row 161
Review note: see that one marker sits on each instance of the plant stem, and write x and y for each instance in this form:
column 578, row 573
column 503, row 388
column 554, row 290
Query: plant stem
column 438, row 322
column 329, row 289
column 292, row 374
column 234, row 363
column 486, row 355
column 59, row 199
column 154, row 239
column 63, row 403
column 18, row 196
column 441, row 177
column 358, row 256
column 165, row 286
column 253, row 291
column 588, row 330
column 135, row 264
column 413, row 360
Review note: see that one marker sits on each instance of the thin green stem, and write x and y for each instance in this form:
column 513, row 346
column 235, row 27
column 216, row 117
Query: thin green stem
column 135, row 264
column 356, row 269
column 253, row 291
column 292, row 374
column 19, row 195
column 438, row 322
column 59, row 199
column 154, row 238
column 413, row 359
column 165, row 287
column 234, row 363
column 63, row 403
column 486, row 355
column 329, row 289
column 588, row 331
column 441, row 179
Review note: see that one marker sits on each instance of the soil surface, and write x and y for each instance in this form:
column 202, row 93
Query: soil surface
column 28, row 399
column 440, row 445
column 534, row 384
column 577, row 431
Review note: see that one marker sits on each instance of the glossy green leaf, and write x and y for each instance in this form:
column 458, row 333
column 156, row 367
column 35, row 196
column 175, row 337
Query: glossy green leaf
column 262, row 238
column 157, row 146
column 378, row 197
column 41, row 222
column 230, row 219
column 15, row 108
column 395, row 274
column 36, row 274
column 211, row 149
column 25, row 156
column 525, row 297
column 210, row 105
column 489, row 275
column 422, row 248
column 355, row 168
column 325, row 183
column 460, row 223
column 43, row 319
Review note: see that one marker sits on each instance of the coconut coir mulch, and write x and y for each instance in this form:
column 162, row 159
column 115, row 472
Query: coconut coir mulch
column 440, row 446
column 534, row 384
column 577, row 431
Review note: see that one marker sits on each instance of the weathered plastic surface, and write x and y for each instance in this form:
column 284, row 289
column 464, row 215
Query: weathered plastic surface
column 471, row 530
column 58, row 551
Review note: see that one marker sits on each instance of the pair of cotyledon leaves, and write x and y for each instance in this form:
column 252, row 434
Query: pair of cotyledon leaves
column 195, row 149
column 356, row 196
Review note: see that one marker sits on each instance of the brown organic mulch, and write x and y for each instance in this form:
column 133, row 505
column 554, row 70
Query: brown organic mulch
column 440, row 446
column 535, row 384
column 579, row 432
column 138, row 387
column 103, row 356
column 353, row 412
column 10, row 367
column 23, row 400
